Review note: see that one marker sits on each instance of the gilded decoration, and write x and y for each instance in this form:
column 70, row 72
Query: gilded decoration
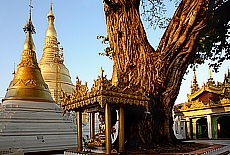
column 28, row 82
column 194, row 105
column 208, row 88
column 101, row 92
column 50, row 42
column 99, row 139
column 225, row 101
column 220, row 90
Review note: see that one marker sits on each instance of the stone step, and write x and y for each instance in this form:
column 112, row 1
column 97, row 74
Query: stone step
column 33, row 133
column 33, row 113
column 59, row 147
column 41, row 144
column 39, row 130
column 26, row 120
column 36, row 137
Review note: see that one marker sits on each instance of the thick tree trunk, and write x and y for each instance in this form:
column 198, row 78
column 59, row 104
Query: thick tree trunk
column 158, row 72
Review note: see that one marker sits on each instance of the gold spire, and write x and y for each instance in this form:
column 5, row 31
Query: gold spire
column 51, row 43
column 194, row 76
column 101, row 72
column 209, row 72
column 210, row 79
column 194, row 85
column 28, row 83
column 51, row 32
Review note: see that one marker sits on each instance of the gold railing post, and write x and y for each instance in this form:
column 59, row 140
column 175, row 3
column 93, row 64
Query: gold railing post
column 92, row 125
column 79, row 131
column 107, row 128
column 121, row 129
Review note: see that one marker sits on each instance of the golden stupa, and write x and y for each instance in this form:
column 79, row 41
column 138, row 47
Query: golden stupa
column 53, row 70
column 27, row 83
column 29, row 117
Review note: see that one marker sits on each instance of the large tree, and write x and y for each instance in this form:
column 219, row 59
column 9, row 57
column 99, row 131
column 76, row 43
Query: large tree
column 197, row 31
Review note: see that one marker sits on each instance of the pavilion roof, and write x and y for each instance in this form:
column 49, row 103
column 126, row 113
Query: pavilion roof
column 102, row 91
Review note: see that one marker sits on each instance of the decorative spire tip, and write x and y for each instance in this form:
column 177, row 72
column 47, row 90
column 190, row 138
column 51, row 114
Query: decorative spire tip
column 29, row 27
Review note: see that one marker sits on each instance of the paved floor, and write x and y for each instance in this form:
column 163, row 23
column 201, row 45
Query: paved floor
column 220, row 147
column 222, row 141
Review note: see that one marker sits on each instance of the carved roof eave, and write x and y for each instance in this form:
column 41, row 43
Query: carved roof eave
column 216, row 90
column 101, row 93
column 102, row 99
column 196, row 105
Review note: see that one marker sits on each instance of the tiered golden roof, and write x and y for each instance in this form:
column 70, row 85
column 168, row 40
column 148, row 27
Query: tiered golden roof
column 102, row 91
column 217, row 95
column 27, row 83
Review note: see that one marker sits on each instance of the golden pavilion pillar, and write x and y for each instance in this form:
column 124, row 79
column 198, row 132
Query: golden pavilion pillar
column 188, row 126
column 79, row 131
column 92, row 125
column 121, row 129
column 107, row 129
column 209, row 123
column 194, row 128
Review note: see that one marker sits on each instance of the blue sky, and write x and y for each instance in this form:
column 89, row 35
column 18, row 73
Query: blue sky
column 77, row 23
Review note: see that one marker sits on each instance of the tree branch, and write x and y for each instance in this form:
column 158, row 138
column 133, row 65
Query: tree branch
column 109, row 3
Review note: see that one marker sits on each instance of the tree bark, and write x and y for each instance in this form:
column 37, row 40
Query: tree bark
column 159, row 72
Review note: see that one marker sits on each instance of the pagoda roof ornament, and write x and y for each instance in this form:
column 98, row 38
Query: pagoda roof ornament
column 194, row 85
column 101, row 92
column 51, row 32
column 51, row 10
column 29, row 27
column 210, row 79
column 101, row 72
column 209, row 72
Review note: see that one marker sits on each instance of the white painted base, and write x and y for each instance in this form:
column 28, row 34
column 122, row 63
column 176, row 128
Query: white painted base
column 35, row 127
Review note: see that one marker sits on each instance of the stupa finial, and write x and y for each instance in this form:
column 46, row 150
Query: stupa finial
column 209, row 72
column 194, row 85
column 101, row 72
column 51, row 32
column 29, row 27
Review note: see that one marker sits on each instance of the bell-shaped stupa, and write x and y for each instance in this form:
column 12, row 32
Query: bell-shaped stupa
column 53, row 70
column 28, row 83
column 29, row 117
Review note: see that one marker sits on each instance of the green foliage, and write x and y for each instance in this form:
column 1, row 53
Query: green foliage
column 154, row 12
column 214, row 46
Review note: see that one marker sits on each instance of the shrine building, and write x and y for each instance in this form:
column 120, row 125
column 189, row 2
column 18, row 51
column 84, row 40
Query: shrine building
column 206, row 115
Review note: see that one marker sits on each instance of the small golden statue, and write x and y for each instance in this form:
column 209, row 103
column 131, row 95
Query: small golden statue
column 99, row 138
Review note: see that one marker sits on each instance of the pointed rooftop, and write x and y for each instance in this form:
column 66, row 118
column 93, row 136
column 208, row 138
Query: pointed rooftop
column 53, row 70
column 51, row 29
column 210, row 79
column 194, row 85
column 29, row 118
column 27, row 83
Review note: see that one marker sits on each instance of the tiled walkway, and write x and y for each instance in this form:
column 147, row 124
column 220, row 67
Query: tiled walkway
column 217, row 148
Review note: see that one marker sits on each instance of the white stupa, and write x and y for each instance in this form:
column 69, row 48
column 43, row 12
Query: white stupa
column 29, row 117
column 55, row 73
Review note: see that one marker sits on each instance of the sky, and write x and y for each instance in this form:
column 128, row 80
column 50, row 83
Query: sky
column 77, row 22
